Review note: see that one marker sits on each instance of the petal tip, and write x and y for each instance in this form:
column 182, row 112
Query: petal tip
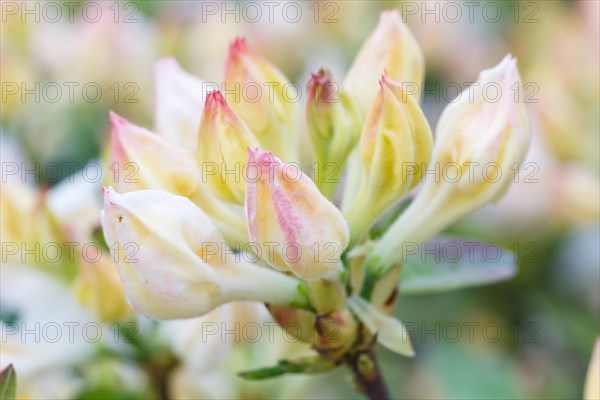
column 239, row 45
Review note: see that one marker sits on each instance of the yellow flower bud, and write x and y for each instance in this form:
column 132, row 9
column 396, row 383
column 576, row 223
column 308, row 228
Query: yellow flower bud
column 28, row 226
column 264, row 99
column 98, row 287
column 143, row 160
column 290, row 223
column 223, row 143
column 592, row 381
column 172, row 260
column 333, row 125
column 19, row 202
column 393, row 48
column 395, row 146
column 179, row 103
column 473, row 134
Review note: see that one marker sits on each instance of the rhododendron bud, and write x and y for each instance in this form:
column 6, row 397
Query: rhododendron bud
column 264, row 99
column 179, row 101
column 141, row 159
column 172, row 262
column 337, row 332
column 394, row 148
column 223, row 141
column 99, row 288
column 331, row 334
column 290, row 223
column 393, row 48
column 333, row 125
column 481, row 139
column 591, row 389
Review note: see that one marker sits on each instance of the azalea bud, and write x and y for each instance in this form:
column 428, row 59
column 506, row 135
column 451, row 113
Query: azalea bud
column 142, row 160
column 333, row 125
column 298, row 324
column 290, row 223
column 19, row 203
column 179, row 102
column 264, row 99
column 473, row 131
column 337, row 331
column 98, row 287
column 395, row 146
column 331, row 334
column 393, row 48
column 172, row 262
column 592, row 380
column 223, row 141
column 28, row 227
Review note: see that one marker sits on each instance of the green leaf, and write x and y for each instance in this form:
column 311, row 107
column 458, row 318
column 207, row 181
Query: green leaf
column 448, row 263
column 8, row 383
column 307, row 365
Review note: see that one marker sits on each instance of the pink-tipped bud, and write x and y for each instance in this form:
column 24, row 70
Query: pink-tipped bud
column 140, row 159
column 222, row 142
column 393, row 48
column 263, row 98
column 291, row 224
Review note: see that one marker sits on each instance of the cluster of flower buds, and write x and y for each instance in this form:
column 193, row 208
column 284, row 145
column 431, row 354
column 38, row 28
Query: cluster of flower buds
column 471, row 131
column 233, row 216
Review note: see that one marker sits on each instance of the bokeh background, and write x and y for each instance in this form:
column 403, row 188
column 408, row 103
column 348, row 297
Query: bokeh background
column 543, row 322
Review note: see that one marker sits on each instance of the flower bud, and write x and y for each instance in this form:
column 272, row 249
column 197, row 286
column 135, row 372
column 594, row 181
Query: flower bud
column 28, row 223
column 142, row 160
column 98, row 287
column 172, row 262
column 337, row 331
column 298, row 324
column 475, row 131
column 592, row 380
column 179, row 102
column 263, row 99
column 19, row 202
column 395, row 146
column 330, row 334
column 223, row 141
column 291, row 225
column 333, row 125
column 393, row 48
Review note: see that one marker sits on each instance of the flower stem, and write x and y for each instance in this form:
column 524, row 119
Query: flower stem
column 367, row 374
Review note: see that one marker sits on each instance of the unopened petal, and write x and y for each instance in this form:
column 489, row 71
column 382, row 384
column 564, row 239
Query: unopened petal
column 179, row 102
column 142, row 160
